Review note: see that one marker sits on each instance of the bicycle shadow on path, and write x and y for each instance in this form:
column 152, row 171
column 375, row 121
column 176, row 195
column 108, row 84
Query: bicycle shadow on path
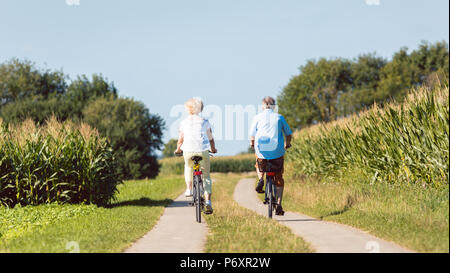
column 142, row 202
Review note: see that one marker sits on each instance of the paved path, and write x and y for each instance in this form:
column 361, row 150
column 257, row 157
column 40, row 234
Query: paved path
column 322, row 235
column 176, row 231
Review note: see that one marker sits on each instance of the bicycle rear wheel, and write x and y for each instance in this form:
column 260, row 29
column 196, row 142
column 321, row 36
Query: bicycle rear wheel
column 198, row 203
column 270, row 196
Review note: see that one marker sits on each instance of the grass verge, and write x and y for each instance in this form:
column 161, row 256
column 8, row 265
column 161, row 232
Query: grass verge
column 51, row 228
column 411, row 216
column 237, row 229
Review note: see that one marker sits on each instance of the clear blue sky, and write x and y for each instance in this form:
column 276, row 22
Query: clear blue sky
column 227, row 52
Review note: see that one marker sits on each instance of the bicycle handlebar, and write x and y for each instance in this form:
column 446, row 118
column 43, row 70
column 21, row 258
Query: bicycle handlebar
column 181, row 154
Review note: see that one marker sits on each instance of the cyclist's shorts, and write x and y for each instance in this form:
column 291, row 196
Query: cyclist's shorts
column 277, row 166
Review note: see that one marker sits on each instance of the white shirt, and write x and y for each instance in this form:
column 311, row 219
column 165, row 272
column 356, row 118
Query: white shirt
column 197, row 133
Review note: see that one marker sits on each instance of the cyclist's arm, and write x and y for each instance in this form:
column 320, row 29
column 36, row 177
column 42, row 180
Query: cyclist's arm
column 287, row 145
column 180, row 142
column 212, row 143
column 213, row 146
column 287, row 132
column 252, row 132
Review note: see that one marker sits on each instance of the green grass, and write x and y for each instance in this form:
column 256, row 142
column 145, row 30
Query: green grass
column 48, row 228
column 411, row 216
column 237, row 229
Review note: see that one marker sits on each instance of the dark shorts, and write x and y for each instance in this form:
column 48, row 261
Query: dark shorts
column 277, row 166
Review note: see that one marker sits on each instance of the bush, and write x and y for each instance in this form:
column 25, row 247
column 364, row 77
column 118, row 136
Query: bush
column 59, row 162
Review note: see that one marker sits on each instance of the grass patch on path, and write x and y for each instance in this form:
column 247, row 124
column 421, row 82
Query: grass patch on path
column 49, row 228
column 411, row 216
column 237, row 229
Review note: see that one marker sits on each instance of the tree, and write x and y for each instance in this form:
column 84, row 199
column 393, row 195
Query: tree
column 42, row 103
column 82, row 91
column 312, row 96
column 169, row 148
column 328, row 89
column 27, row 91
column 411, row 70
column 22, row 79
column 135, row 134
column 365, row 77
column 38, row 109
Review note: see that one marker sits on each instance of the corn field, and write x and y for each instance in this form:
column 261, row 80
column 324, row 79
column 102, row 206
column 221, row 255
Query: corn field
column 58, row 162
column 401, row 143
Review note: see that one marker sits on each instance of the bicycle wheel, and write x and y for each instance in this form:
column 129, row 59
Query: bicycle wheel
column 274, row 197
column 198, row 204
column 194, row 192
column 270, row 196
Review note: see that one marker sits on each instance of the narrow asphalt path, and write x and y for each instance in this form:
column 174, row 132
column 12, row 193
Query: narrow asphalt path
column 176, row 232
column 323, row 236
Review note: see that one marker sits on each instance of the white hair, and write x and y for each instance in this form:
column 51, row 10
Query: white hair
column 193, row 106
column 268, row 103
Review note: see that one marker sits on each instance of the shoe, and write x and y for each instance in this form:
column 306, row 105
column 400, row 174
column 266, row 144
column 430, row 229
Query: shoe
column 259, row 187
column 279, row 210
column 208, row 209
column 188, row 193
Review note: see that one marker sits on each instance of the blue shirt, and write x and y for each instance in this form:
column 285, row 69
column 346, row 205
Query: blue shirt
column 268, row 128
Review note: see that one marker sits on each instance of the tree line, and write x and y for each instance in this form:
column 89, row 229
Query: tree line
column 328, row 89
column 27, row 91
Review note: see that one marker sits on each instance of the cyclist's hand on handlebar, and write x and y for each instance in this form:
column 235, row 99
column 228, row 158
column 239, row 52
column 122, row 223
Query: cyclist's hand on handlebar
column 214, row 151
column 287, row 146
column 178, row 152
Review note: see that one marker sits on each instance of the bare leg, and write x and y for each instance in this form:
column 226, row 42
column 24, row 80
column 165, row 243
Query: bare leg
column 189, row 185
column 207, row 196
column 260, row 174
column 280, row 194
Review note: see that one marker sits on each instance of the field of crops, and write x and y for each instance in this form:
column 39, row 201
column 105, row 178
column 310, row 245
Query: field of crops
column 58, row 162
column 399, row 143
column 219, row 164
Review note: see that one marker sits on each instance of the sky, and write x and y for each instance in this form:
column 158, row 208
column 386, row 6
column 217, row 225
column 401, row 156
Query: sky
column 228, row 53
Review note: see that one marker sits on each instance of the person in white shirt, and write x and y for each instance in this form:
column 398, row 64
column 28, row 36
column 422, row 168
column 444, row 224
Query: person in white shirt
column 196, row 139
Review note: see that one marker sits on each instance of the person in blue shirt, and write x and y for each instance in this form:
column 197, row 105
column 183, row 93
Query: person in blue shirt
column 267, row 136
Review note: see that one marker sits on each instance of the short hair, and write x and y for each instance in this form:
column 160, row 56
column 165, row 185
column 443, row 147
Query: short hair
column 193, row 106
column 268, row 103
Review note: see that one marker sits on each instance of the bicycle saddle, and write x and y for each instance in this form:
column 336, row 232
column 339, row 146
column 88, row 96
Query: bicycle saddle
column 196, row 158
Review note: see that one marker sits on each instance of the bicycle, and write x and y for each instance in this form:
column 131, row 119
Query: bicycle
column 198, row 199
column 270, row 192
column 197, row 186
